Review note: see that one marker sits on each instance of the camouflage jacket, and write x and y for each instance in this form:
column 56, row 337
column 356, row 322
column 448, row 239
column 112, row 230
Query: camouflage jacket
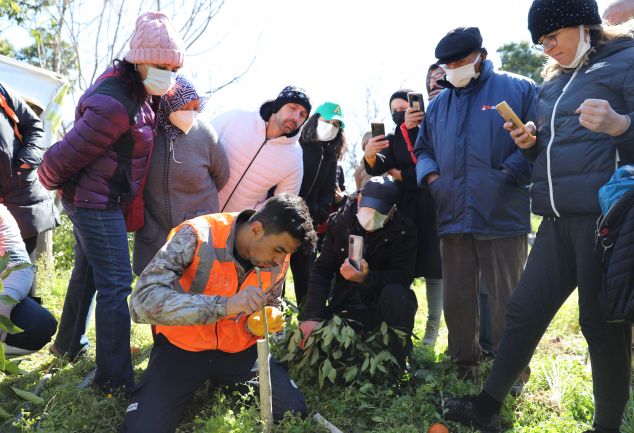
column 158, row 297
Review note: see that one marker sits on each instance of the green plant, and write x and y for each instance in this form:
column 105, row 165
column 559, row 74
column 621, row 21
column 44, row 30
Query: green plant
column 338, row 354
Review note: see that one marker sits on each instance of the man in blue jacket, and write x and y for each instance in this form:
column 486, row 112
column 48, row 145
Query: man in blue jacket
column 479, row 182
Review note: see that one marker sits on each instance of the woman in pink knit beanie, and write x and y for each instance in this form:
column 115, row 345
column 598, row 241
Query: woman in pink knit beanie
column 100, row 166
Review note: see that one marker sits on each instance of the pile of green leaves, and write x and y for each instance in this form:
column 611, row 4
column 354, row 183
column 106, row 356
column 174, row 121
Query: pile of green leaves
column 336, row 353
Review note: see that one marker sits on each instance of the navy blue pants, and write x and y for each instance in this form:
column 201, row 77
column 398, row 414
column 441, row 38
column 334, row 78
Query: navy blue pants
column 38, row 324
column 174, row 374
column 102, row 265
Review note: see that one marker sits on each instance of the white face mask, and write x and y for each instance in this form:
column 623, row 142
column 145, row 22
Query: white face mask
column 370, row 219
column 463, row 75
column 183, row 119
column 582, row 48
column 326, row 131
column 158, row 81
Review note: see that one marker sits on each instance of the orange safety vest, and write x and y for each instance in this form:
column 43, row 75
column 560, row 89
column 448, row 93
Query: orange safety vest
column 214, row 272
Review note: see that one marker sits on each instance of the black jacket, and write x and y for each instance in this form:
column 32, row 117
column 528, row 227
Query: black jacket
column 415, row 203
column 581, row 161
column 390, row 253
column 20, row 189
column 318, row 182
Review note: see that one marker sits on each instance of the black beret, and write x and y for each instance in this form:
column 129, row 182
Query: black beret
column 547, row 16
column 458, row 44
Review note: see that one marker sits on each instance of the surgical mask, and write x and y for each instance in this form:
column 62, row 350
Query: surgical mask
column 326, row 131
column 158, row 81
column 398, row 117
column 183, row 119
column 370, row 219
column 463, row 75
column 582, row 48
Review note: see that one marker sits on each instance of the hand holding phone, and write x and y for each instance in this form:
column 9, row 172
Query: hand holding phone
column 355, row 251
column 509, row 115
column 416, row 101
column 377, row 129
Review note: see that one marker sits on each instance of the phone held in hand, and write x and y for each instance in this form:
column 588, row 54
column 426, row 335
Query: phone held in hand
column 509, row 115
column 416, row 101
column 377, row 129
column 355, row 251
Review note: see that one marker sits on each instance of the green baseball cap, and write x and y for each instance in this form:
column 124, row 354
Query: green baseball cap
column 331, row 111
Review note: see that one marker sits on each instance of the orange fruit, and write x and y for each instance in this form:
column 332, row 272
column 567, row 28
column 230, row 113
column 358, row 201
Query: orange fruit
column 438, row 428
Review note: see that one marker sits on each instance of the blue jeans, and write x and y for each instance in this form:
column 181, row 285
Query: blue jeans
column 102, row 265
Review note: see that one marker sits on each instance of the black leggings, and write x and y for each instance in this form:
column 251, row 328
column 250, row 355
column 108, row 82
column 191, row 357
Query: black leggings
column 562, row 259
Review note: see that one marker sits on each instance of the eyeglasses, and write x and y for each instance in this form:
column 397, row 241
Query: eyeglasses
column 548, row 43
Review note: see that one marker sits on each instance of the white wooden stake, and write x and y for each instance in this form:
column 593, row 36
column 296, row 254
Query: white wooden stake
column 266, row 397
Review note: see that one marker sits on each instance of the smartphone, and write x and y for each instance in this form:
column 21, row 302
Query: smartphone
column 416, row 101
column 355, row 251
column 377, row 129
column 509, row 115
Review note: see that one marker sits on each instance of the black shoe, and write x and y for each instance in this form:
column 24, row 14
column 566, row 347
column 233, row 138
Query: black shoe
column 463, row 411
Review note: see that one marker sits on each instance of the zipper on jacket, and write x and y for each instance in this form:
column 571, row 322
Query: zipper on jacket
column 551, row 193
column 321, row 159
column 244, row 173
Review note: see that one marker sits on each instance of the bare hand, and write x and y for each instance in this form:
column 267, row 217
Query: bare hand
column 339, row 195
column 248, row 300
column 598, row 116
column 523, row 138
column 351, row 273
column 5, row 310
column 396, row 174
column 432, row 177
column 26, row 166
column 375, row 145
column 413, row 118
column 307, row 327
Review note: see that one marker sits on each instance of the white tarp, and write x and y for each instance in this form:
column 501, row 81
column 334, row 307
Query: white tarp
column 36, row 85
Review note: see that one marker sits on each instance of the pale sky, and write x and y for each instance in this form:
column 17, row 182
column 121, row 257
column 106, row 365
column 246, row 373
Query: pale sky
column 335, row 49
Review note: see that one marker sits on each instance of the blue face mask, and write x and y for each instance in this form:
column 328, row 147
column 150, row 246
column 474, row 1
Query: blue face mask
column 158, row 81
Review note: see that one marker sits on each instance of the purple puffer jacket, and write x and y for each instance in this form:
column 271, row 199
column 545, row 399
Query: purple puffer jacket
column 100, row 162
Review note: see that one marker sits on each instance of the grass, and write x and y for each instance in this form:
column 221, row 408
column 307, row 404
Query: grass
column 558, row 398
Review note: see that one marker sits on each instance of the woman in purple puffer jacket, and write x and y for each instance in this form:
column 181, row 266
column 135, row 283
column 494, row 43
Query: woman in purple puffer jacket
column 99, row 166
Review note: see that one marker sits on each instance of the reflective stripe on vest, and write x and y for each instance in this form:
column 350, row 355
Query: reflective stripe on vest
column 213, row 272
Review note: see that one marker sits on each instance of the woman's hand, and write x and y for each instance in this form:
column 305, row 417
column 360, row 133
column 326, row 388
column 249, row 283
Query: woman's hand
column 413, row 118
column 374, row 146
column 396, row 174
column 598, row 116
column 522, row 138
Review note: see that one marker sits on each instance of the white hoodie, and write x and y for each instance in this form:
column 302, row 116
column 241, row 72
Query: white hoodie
column 279, row 162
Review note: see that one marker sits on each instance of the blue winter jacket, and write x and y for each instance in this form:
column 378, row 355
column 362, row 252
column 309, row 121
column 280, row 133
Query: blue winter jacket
column 483, row 183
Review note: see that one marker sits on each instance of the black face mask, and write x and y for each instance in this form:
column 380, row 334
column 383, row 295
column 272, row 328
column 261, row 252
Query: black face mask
column 398, row 117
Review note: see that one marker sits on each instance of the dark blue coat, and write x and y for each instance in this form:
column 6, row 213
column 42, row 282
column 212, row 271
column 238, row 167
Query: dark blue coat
column 483, row 183
column 570, row 168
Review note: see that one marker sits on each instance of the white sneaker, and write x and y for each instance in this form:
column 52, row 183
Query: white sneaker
column 431, row 332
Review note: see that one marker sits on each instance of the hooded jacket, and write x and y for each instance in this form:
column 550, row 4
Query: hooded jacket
column 483, row 183
column 572, row 162
column 389, row 251
column 20, row 190
column 101, row 161
column 182, row 183
column 256, row 164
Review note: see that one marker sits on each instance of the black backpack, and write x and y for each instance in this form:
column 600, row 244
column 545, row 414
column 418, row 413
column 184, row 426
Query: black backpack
column 614, row 244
